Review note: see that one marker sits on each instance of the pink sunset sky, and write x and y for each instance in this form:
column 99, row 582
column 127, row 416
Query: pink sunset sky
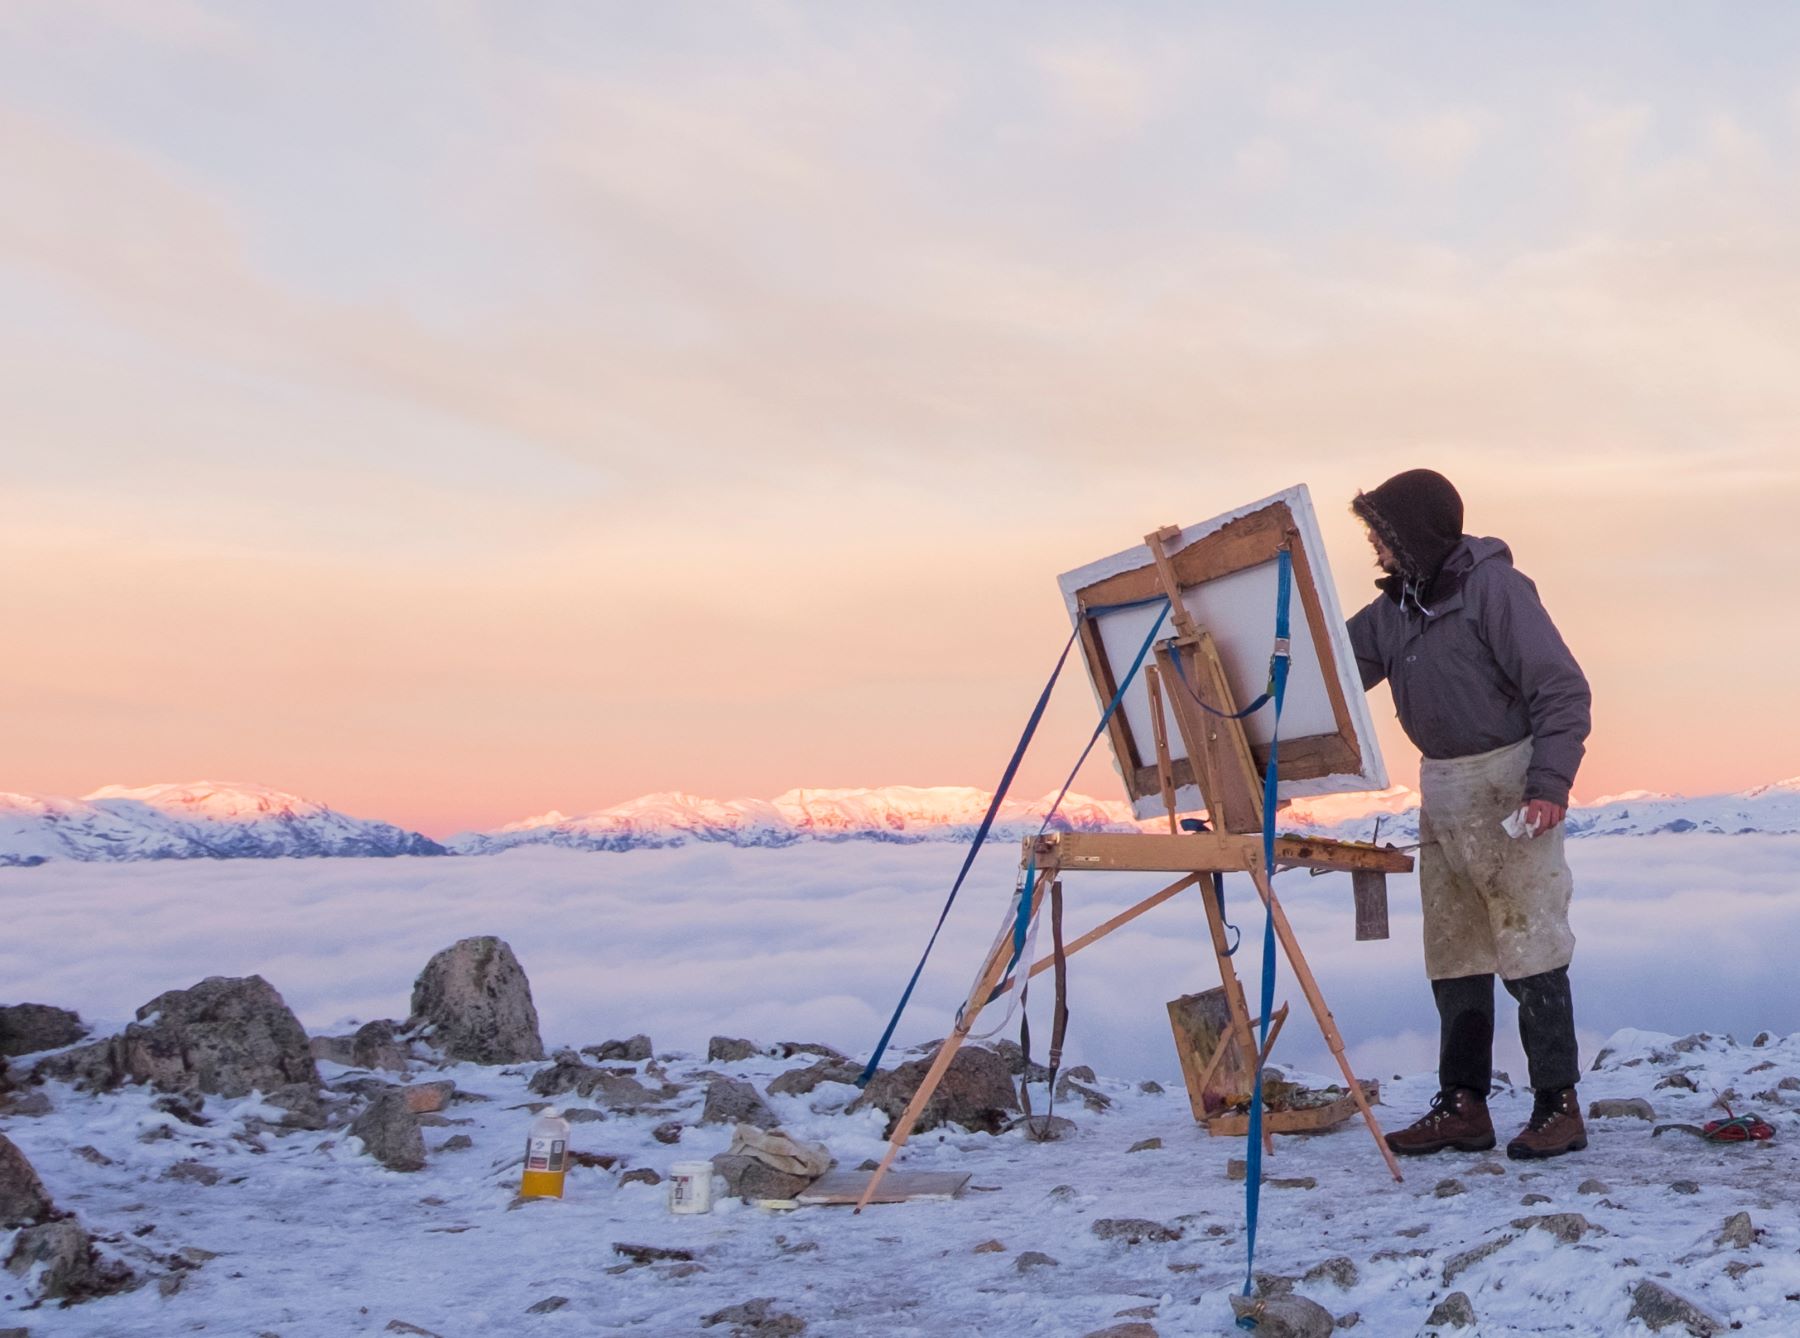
column 455, row 412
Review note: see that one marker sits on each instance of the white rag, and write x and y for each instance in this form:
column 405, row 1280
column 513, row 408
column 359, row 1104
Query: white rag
column 774, row 1148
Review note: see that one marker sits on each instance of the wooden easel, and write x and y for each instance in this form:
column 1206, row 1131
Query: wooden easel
column 1188, row 672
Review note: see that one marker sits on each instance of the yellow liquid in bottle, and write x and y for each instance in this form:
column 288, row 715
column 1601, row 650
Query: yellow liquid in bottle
column 542, row 1184
column 546, row 1160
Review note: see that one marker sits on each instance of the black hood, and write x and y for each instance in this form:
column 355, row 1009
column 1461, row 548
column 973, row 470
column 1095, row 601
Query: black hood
column 1419, row 515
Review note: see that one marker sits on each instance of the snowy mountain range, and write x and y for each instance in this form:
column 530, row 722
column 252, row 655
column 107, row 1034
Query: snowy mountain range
column 214, row 820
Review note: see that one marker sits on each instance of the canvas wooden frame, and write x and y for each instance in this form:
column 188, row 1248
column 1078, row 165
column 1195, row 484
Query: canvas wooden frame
column 1338, row 753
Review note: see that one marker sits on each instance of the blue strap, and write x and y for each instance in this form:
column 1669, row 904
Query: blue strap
column 987, row 821
column 1278, row 676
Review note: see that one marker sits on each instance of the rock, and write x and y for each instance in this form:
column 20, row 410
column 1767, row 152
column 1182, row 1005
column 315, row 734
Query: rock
column 426, row 1098
column 652, row 1254
column 1339, row 1269
column 1150, row 1088
column 86, row 1152
column 1030, row 1259
column 1236, row 1168
column 1290, row 1316
column 1531, row 1200
column 748, row 1178
column 1046, row 1128
column 989, row 1247
column 1685, row 1186
column 643, row 1175
column 29, row 1027
column 1788, row 1085
column 616, row 1089
column 227, row 1035
column 757, row 1317
column 1136, row 1328
column 1659, row 1309
column 401, row 1326
column 1738, row 1232
column 72, row 1270
column 476, row 1000
column 788, row 1049
column 193, row 1172
column 1092, row 1098
column 1680, row 1080
column 800, row 1082
column 390, row 1133
column 1132, row 1230
column 545, row 1306
column 1566, row 1227
column 1593, row 1187
column 1013, row 1056
column 729, row 1050
column 1449, row 1189
column 1455, row 1311
column 28, row 1105
column 1275, row 1284
column 632, row 1051
column 1350, row 1319
column 667, row 1132
column 1145, row 1145
column 456, row 1143
column 374, row 1045
column 1462, row 1263
column 736, row 1101
column 976, row 1093
column 1291, row 1182
column 301, row 1104
column 23, row 1198
column 1628, row 1108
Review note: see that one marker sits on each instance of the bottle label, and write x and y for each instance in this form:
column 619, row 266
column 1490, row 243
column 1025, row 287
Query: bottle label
column 546, row 1154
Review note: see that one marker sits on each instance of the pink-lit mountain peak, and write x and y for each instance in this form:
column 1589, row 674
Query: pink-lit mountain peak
column 213, row 801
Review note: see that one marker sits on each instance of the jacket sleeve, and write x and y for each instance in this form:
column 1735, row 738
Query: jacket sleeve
column 1370, row 662
column 1531, row 653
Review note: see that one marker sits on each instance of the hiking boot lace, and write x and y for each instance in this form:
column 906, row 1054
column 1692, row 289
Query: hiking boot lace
column 1545, row 1107
column 1443, row 1107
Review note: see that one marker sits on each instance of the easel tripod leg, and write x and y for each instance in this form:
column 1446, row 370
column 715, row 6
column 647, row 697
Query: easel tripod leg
column 1290, row 946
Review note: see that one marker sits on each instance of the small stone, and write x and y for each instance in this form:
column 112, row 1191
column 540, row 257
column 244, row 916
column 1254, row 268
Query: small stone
column 1593, row 1187
column 1685, row 1186
column 1150, row 1088
column 632, row 1051
column 29, row 1105
column 1292, row 1316
column 401, row 1326
column 1628, row 1108
column 1339, row 1269
column 729, row 1050
column 1738, row 1232
column 1487, row 1168
column 1349, row 1319
column 1136, row 1312
column 583, row 1115
column 192, row 1172
column 1449, row 1189
column 1788, row 1085
column 1145, row 1145
column 456, row 1143
column 651, row 1254
column 1275, row 1284
column 1680, row 1080
column 1237, row 1169
column 427, row 1098
column 868, row 1164
column 757, row 1317
column 1455, row 1311
column 1531, row 1199
column 1080, row 1073
column 1736, row 1269
column 390, row 1133
column 736, row 1101
column 1291, row 1182
column 1046, row 1128
column 545, row 1306
column 667, row 1132
column 1762, row 1039
column 748, row 1178
column 1132, row 1230
column 1566, row 1227
column 1136, row 1328
column 802, row 1082
column 643, row 1175
column 989, row 1247
column 1659, row 1309
column 89, row 1153
column 1461, row 1263
column 29, row 1027
column 1031, row 1259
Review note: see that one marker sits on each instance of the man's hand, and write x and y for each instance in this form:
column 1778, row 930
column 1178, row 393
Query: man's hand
column 1541, row 815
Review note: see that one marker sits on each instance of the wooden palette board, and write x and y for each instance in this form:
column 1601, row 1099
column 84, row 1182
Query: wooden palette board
column 846, row 1187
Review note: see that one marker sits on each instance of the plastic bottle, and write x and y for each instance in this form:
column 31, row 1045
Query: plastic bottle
column 546, row 1156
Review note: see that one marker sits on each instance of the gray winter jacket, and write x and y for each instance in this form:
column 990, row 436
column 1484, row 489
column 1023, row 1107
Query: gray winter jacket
column 1482, row 668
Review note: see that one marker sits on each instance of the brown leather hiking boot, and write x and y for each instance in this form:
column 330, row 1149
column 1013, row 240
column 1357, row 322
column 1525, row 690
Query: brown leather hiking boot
column 1555, row 1128
column 1457, row 1121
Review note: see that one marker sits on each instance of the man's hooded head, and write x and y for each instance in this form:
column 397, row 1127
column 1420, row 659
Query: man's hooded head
column 1419, row 516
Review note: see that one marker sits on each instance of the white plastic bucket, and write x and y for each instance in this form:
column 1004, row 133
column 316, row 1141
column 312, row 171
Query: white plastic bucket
column 690, row 1187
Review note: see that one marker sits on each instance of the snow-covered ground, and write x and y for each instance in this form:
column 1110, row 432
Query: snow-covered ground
column 1679, row 934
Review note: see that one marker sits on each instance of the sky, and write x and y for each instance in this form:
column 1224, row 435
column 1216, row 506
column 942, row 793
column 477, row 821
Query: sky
column 452, row 412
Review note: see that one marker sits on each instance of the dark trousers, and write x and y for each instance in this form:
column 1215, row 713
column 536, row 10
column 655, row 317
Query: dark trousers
column 1546, row 1026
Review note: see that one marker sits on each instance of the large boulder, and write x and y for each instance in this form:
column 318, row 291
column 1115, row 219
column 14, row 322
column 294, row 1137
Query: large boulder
column 69, row 1268
column 736, row 1101
column 477, row 1001
column 976, row 1093
column 23, row 1198
column 374, row 1045
column 389, row 1130
column 29, row 1027
column 227, row 1035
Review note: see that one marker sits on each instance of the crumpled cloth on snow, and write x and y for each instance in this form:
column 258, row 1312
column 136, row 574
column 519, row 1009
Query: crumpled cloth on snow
column 774, row 1148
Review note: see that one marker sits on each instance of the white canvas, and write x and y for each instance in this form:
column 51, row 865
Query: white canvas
column 1239, row 612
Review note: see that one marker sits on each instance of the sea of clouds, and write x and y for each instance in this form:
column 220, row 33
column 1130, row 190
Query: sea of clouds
column 1677, row 933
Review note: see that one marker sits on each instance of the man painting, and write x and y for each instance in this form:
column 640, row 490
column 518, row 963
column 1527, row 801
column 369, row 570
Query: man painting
column 1497, row 706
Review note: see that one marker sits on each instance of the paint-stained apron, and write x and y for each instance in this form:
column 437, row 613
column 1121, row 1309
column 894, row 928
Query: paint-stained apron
column 1493, row 904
